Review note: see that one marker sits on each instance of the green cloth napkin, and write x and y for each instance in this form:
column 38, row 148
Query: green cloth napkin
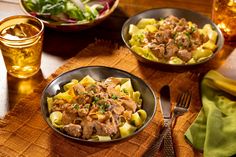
column 214, row 130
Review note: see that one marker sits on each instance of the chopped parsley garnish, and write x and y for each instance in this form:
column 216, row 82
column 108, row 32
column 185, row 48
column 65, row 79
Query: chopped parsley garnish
column 106, row 106
column 96, row 99
column 140, row 37
column 193, row 29
column 125, row 91
column 103, row 108
column 102, row 111
column 187, row 34
column 175, row 34
column 114, row 96
column 76, row 106
column 180, row 45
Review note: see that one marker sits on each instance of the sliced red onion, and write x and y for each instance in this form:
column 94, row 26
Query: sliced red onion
column 63, row 18
column 106, row 7
column 107, row 4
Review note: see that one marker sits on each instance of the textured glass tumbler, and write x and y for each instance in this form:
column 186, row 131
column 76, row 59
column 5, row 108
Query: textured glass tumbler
column 224, row 15
column 21, row 39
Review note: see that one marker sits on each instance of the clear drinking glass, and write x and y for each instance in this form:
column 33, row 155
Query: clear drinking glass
column 21, row 39
column 224, row 15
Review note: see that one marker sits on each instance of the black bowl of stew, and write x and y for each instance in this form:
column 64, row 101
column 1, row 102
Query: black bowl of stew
column 163, row 13
column 99, row 73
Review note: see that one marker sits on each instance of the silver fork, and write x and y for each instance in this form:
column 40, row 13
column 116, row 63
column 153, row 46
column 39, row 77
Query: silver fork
column 182, row 105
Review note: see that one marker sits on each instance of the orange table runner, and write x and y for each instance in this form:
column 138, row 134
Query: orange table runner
column 23, row 132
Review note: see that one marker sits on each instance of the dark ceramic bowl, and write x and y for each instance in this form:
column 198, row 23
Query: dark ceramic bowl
column 70, row 27
column 99, row 73
column 158, row 13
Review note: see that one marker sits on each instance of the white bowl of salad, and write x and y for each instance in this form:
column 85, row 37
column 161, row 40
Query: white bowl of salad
column 70, row 15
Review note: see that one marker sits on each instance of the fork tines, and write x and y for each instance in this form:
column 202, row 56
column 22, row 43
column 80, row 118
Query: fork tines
column 184, row 99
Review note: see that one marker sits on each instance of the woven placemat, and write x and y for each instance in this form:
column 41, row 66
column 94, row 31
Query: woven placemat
column 23, row 131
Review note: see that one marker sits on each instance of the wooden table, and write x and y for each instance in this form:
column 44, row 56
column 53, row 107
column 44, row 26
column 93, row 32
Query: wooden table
column 60, row 46
column 13, row 89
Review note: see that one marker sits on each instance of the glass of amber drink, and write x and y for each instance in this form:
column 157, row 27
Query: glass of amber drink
column 224, row 15
column 21, row 39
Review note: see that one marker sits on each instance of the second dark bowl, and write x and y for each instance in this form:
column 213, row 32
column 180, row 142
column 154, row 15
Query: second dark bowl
column 158, row 13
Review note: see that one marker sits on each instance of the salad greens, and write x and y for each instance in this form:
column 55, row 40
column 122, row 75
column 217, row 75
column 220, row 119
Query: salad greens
column 69, row 11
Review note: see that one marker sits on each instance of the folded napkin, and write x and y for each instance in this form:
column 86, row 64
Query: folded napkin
column 214, row 130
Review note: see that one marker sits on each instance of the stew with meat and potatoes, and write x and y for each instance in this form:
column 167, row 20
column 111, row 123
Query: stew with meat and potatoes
column 97, row 110
column 172, row 40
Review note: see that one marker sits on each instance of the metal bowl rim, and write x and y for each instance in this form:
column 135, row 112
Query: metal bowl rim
column 220, row 36
column 87, row 141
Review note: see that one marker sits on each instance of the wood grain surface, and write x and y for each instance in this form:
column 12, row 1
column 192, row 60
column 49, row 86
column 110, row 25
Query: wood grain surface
column 59, row 47
column 24, row 132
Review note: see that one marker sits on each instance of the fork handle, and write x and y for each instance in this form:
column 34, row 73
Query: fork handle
column 168, row 144
column 154, row 148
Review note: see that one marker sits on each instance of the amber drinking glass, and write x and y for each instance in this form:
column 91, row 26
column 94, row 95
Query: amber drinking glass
column 21, row 39
column 224, row 15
